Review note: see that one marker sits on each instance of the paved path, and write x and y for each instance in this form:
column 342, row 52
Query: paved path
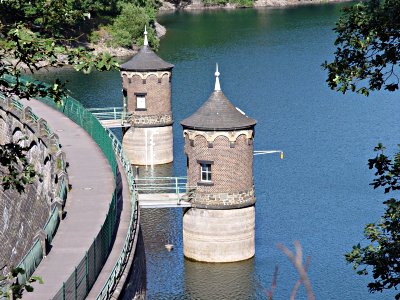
column 87, row 204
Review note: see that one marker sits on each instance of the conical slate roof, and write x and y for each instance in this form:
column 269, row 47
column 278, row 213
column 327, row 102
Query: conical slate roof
column 218, row 113
column 146, row 60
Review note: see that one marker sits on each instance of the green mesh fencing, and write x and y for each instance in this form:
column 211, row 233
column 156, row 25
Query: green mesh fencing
column 35, row 254
column 52, row 224
column 30, row 261
column 79, row 283
column 128, row 248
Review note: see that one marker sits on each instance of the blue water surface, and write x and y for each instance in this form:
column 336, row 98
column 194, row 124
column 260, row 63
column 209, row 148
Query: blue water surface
column 270, row 63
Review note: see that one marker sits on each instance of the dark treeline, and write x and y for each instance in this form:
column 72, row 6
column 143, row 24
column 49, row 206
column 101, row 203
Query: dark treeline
column 115, row 22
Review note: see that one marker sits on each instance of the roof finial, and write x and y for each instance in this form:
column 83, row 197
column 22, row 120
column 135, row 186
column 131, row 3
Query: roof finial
column 217, row 85
column 146, row 42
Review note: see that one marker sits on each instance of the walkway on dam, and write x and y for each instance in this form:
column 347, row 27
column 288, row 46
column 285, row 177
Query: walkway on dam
column 87, row 205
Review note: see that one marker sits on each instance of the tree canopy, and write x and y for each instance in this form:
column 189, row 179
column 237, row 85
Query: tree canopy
column 367, row 59
column 382, row 256
column 34, row 35
column 368, row 48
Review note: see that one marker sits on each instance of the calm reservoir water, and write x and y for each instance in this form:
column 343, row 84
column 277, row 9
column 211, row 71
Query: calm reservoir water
column 319, row 194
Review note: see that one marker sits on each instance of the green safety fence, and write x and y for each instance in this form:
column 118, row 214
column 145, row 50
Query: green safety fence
column 128, row 248
column 85, row 273
column 79, row 283
column 30, row 261
column 35, row 254
column 51, row 225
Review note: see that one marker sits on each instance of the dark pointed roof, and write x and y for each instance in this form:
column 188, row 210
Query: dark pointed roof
column 146, row 60
column 218, row 113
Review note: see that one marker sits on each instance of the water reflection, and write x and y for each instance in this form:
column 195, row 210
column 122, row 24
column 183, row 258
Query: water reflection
column 219, row 281
column 165, row 170
column 319, row 194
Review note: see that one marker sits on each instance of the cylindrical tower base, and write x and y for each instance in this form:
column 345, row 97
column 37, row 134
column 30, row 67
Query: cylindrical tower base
column 149, row 146
column 219, row 235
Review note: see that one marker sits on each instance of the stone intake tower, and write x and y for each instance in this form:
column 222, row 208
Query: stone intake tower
column 219, row 147
column 146, row 80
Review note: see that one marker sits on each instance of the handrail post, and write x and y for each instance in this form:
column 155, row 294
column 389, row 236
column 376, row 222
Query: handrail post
column 137, row 173
column 177, row 190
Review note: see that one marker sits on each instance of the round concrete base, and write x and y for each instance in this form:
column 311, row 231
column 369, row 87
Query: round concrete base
column 219, row 235
column 149, row 146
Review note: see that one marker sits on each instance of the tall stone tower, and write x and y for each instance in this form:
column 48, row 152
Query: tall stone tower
column 219, row 147
column 146, row 81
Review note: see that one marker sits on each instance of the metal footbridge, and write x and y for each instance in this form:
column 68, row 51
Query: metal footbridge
column 164, row 192
column 112, row 117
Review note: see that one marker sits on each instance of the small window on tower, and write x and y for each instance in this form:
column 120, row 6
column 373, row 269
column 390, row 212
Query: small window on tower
column 141, row 102
column 205, row 173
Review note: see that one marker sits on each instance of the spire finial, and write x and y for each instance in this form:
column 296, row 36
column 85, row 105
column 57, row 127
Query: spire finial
column 217, row 85
column 145, row 42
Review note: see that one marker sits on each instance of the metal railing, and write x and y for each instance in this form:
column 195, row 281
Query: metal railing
column 128, row 248
column 153, row 185
column 112, row 115
column 30, row 261
column 82, row 279
column 78, row 285
column 174, row 189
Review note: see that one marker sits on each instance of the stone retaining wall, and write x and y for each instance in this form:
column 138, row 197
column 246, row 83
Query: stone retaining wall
column 24, row 215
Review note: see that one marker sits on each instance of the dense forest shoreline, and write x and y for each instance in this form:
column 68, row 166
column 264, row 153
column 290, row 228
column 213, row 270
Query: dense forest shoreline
column 167, row 6
column 233, row 4
column 118, row 29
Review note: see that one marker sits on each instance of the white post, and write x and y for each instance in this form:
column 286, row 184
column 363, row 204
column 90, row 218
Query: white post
column 177, row 189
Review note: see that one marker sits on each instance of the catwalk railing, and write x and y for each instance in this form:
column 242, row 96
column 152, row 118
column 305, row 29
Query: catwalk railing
column 79, row 283
column 35, row 254
column 112, row 117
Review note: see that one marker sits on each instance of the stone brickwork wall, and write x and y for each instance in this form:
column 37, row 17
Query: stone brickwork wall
column 232, row 170
column 156, row 86
column 223, row 200
column 151, row 120
column 23, row 215
column 149, row 141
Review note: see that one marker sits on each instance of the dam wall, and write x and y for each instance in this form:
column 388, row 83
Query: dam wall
column 30, row 217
